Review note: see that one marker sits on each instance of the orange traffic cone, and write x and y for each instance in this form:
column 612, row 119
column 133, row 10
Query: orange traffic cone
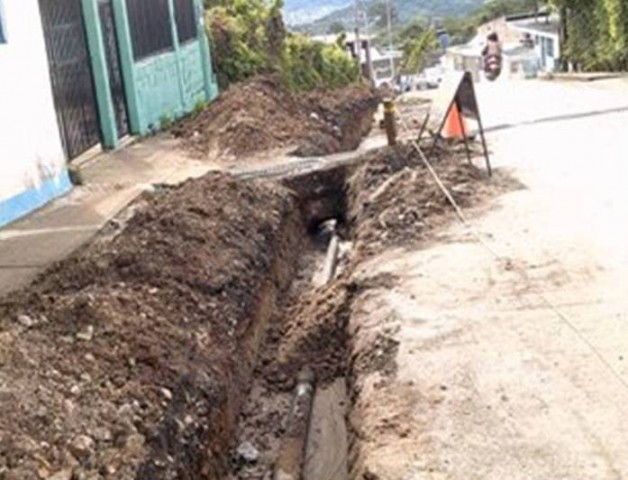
column 454, row 125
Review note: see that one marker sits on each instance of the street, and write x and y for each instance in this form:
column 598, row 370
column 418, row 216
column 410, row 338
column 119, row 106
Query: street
column 512, row 361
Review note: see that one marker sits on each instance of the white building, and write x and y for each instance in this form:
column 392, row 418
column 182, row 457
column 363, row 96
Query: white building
column 545, row 33
column 31, row 154
column 531, row 43
column 376, row 64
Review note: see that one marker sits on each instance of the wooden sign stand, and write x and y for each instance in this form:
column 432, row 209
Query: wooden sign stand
column 458, row 91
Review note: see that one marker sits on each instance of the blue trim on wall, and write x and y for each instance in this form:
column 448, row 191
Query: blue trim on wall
column 16, row 207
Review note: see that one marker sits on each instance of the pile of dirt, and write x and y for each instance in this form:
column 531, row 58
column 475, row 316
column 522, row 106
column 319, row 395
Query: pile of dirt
column 130, row 359
column 261, row 114
column 394, row 201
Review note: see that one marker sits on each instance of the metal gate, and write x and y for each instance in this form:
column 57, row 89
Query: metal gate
column 116, row 81
column 71, row 74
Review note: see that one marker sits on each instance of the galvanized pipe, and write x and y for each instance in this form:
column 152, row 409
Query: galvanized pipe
column 289, row 465
column 331, row 260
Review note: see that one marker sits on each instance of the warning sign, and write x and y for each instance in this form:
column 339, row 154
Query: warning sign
column 454, row 101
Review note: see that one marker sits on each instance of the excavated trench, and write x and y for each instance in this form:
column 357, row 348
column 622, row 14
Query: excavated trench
column 349, row 212
column 307, row 332
column 171, row 347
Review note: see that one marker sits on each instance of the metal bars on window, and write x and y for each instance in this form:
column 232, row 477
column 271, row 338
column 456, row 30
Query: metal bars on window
column 149, row 21
column 186, row 20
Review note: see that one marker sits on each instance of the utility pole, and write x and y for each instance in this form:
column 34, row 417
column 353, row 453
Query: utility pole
column 358, row 43
column 369, row 60
column 390, row 37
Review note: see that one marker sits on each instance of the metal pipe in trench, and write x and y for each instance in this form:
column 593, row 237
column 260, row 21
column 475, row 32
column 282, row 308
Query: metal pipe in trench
column 291, row 456
column 331, row 260
column 289, row 465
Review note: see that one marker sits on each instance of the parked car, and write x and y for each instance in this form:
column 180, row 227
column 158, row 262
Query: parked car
column 429, row 78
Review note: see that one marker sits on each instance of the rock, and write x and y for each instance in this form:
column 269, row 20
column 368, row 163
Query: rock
column 102, row 434
column 87, row 334
column 75, row 390
column 247, row 452
column 69, row 407
column 166, row 393
column 314, row 116
column 82, row 446
column 135, row 444
column 89, row 357
column 62, row 475
column 26, row 321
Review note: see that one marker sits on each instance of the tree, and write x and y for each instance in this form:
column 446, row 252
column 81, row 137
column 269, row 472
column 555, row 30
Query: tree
column 595, row 33
column 416, row 51
column 249, row 38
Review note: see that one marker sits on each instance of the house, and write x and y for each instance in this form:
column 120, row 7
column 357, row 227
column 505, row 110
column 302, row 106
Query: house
column 545, row 35
column 376, row 64
column 79, row 74
column 531, row 43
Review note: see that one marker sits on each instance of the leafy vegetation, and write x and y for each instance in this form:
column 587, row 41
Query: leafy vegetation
column 249, row 38
column 596, row 33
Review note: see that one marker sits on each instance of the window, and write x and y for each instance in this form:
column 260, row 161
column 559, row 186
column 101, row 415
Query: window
column 3, row 30
column 151, row 32
column 549, row 47
column 186, row 20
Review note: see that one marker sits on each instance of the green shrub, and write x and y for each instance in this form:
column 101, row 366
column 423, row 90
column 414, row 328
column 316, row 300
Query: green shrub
column 249, row 38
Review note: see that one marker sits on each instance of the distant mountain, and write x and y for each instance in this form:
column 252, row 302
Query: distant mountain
column 299, row 12
column 342, row 12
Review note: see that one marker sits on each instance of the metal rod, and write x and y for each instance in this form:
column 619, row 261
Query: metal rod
column 464, row 133
column 423, row 127
column 289, row 465
column 483, row 137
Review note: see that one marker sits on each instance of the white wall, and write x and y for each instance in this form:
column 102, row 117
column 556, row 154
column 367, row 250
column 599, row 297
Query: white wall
column 30, row 144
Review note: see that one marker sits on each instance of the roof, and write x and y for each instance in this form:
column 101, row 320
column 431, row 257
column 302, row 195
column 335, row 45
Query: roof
column 467, row 50
column 527, row 15
column 551, row 26
column 378, row 55
column 332, row 38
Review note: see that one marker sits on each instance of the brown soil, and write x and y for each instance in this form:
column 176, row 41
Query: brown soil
column 155, row 351
column 311, row 327
column 131, row 359
column 261, row 114
column 394, row 201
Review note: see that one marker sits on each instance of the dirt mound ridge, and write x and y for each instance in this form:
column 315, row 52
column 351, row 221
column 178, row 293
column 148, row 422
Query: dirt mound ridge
column 394, row 201
column 260, row 114
column 128, row 360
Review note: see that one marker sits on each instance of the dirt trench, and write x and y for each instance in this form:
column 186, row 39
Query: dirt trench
column 385, row 201
column 169, row 348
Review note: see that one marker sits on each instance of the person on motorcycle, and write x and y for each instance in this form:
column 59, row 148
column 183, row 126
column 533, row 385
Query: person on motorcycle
column 492, row 54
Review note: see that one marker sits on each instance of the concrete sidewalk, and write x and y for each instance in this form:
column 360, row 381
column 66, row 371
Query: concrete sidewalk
column 112, row 181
